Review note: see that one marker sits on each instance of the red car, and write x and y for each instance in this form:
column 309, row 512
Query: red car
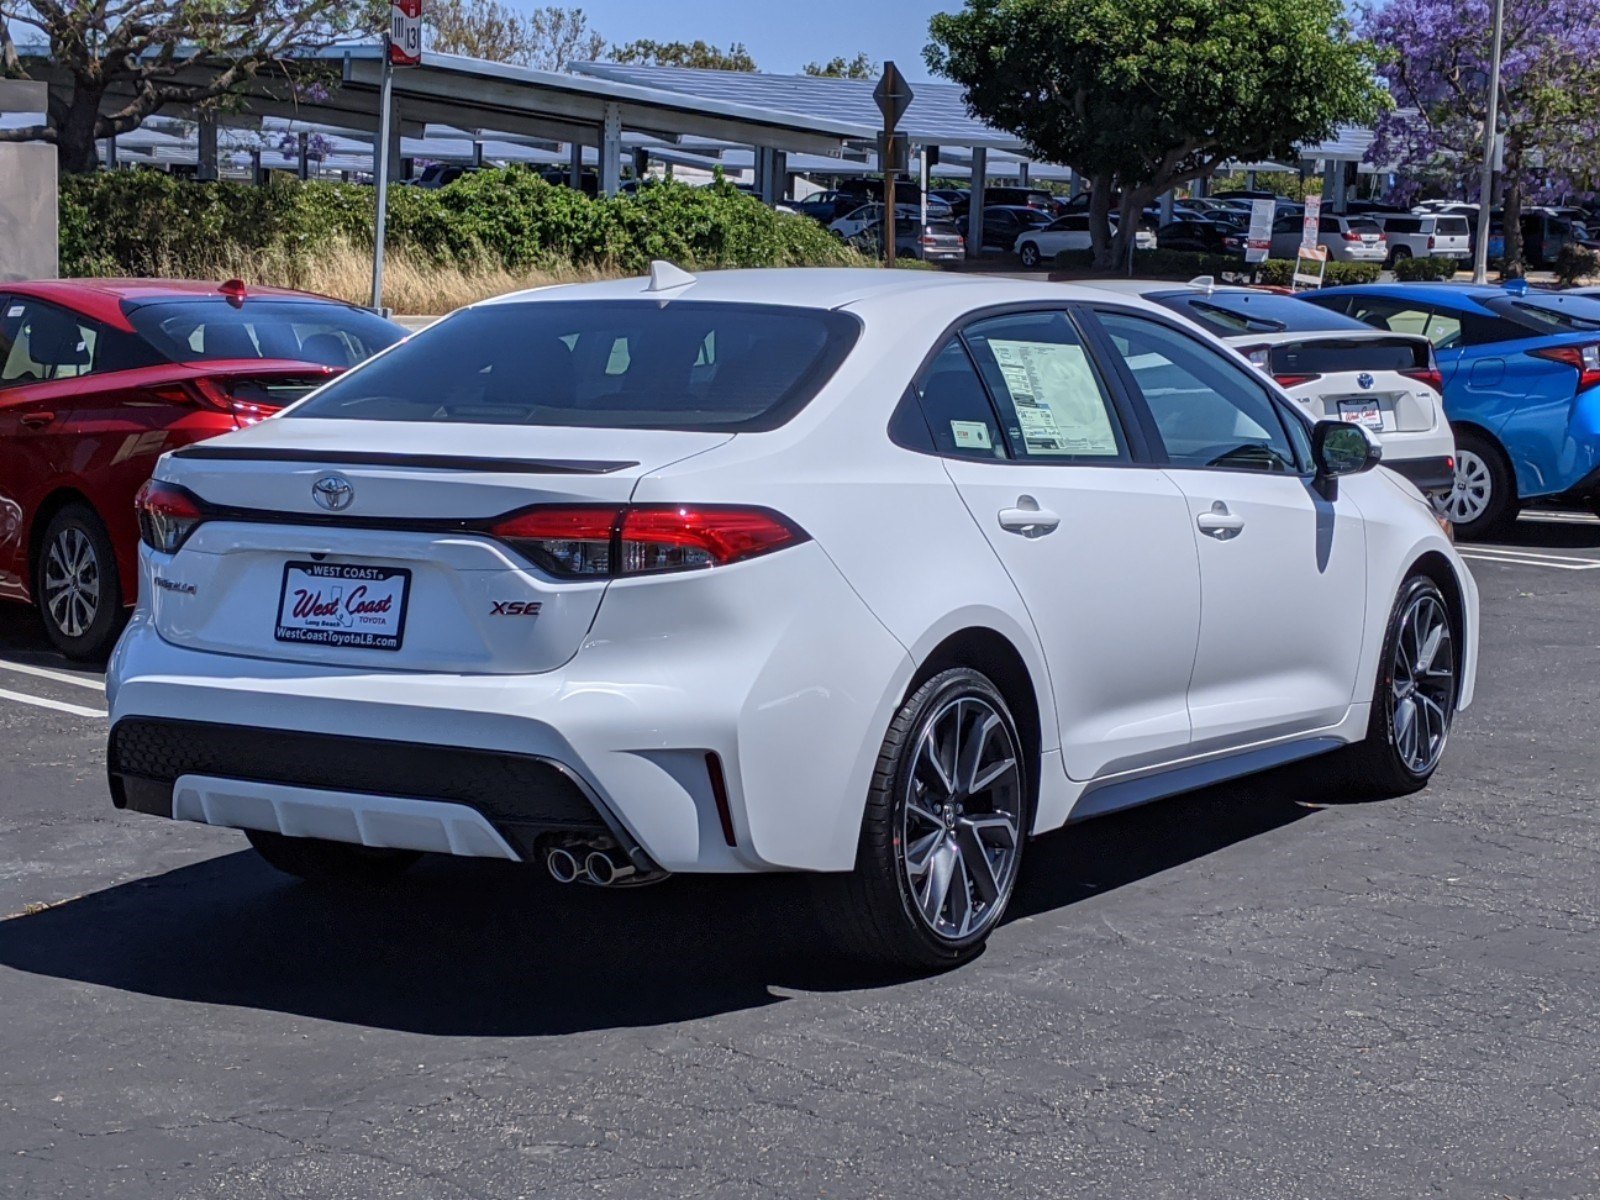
column 98, row 378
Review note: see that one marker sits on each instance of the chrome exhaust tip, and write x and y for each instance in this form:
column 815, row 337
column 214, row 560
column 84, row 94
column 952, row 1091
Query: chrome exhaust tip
column 600, row 869
column 563, row 867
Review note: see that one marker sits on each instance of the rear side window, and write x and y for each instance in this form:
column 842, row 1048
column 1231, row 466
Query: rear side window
column 1050, row 398
column 1452, row 227
column 330, row 335
column 605, row 364
column 956, row 407
column 40, row 342
column 1402, row 225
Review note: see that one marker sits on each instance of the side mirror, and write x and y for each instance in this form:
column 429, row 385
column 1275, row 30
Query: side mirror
column 1341, row 448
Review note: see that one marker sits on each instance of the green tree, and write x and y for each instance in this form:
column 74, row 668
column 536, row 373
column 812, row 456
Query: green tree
column 1139, row 96
column 859, row 67
column 701, row 55
column 547, row 38
column 114, row 63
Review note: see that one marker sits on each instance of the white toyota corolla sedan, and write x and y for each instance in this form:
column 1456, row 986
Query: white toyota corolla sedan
column 871, row 574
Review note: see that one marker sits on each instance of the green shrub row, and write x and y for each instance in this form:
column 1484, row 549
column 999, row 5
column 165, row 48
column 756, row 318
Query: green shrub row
column 1425, row 269
column 145, row 221
column 1185, row 264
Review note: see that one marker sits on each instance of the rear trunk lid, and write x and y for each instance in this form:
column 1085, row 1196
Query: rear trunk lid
column 380, row 557
column 1381, row 382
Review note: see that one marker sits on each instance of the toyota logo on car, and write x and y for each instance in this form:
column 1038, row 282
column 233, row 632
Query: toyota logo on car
column 333, row 492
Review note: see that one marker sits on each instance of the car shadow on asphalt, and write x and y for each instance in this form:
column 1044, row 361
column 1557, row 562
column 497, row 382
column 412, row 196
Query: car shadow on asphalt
column 1535, row 532
column 463, row 948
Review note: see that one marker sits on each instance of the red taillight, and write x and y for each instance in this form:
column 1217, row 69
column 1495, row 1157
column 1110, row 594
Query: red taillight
column 1350, row 235
column 1291, row 381
column 214, row 394
column 1432, row 242
column 1585, row 360
column 1431, row 376
column 167, row 514
column 591, row 542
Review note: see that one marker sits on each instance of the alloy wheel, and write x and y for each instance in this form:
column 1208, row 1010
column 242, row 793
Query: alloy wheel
column 1473, row 489
column 960, row 838
column 71, row 580
column 1424, row 688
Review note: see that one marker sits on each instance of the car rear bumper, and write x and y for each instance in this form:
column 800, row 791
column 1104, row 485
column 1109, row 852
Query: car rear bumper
column 728, row 721
column 1435, row 473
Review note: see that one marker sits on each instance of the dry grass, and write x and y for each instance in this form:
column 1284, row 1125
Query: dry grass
column 411, row 286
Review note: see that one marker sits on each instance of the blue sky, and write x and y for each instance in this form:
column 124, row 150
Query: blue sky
column 781, row 35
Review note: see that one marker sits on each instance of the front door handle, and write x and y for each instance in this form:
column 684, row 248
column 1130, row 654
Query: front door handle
column 1219, row 522
column 37, row 420
column 1028, row 519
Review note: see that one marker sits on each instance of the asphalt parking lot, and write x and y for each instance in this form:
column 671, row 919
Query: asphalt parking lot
column 1253, row 991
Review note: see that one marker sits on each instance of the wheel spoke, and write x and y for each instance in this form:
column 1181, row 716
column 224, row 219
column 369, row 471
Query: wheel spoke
column 977, row 741
column 975, row 857
column 941, row 871
column 929, row 755
column 960, row 899
column 1405, row 723
column 919, row 854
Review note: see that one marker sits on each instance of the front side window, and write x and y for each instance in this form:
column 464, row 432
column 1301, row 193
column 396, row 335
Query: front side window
column 1050, row 398
column 601, row 364
column 42, row 342
column 1209, row 411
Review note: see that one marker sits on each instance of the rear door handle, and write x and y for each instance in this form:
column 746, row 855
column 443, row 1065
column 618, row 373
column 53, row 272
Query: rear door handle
column 1028, row 519
column 37, row 420
column 1219, row 522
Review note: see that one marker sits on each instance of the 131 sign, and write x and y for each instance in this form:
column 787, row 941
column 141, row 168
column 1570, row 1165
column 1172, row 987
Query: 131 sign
column 405, row 33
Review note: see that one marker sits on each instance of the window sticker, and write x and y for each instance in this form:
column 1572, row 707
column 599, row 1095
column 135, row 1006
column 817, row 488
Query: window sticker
column 971, row 435
column 1059, row 406
column 14, row 311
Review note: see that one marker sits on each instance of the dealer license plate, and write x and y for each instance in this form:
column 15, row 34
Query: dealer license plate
column 341, row 604
column 1361, row 412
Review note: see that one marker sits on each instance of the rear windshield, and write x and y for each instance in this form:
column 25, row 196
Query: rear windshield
column 604, row 364
column 1229, row 313
column 1551, row 313
column 309, row 331
column 1330, row 356
column 1452, row 227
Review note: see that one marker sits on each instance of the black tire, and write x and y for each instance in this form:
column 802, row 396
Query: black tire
column 1481, row 464
column 874, row 913
column 76, row 587
column 326, row 862
column 1029, row 255
column 1381, row 766
column 1398, row 253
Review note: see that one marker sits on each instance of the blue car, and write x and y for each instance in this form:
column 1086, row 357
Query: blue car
column 1520, row 371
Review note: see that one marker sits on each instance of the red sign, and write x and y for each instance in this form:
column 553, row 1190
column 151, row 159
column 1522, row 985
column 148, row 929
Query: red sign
column 405, row 32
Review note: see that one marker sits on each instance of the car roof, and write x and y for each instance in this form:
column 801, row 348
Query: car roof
column 899, row 292
column 104, row 299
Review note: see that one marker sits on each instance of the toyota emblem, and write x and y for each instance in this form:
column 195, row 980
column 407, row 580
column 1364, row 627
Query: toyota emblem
column 333, row 492
column 1365, row 381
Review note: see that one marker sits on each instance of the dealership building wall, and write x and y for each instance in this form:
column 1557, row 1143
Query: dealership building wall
column 28, row 208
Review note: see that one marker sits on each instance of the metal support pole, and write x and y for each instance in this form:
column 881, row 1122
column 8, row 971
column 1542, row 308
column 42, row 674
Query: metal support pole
column 477, row 154
column 380, row 224
column 1022, row 175
column 611, row 151
column 575, row 166
column 924, row 177
column 111, row 152
column 303, row 150
column 980, row 173
column 1480, row 253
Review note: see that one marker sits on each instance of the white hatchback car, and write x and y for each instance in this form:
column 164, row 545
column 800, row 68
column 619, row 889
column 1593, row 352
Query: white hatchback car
column 863, row 573
column 1335, row 367
column 1040, row 246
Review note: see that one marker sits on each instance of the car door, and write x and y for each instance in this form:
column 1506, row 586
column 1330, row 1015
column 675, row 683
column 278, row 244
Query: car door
column 1094, row 537
column 13, row 547
column 1282, row 568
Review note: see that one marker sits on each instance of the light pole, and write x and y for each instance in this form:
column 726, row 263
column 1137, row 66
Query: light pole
column 1480, row 258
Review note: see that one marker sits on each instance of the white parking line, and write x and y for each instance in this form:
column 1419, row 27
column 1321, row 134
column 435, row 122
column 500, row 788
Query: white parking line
column 76, row 710
column 1512, row 556
column 90, row 682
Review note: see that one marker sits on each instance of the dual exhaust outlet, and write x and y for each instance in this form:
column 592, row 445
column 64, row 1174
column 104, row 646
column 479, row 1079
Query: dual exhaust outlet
column 598, row 867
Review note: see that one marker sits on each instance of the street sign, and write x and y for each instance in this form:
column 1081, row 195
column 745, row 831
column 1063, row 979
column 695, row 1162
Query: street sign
column 894, row 96
column 1258, row 242
column 405, row 32
column 1311, row 227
